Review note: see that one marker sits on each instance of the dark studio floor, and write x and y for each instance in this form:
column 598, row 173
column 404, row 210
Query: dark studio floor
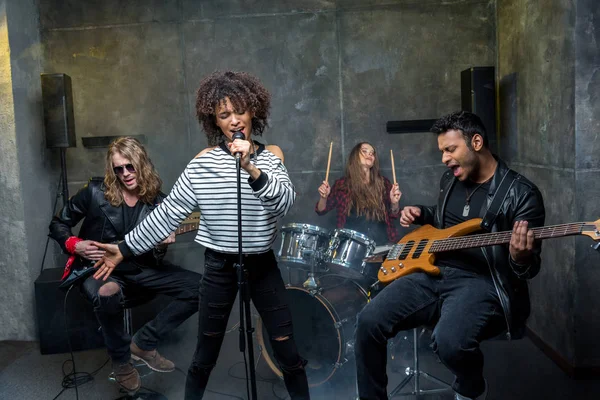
column 515, row 370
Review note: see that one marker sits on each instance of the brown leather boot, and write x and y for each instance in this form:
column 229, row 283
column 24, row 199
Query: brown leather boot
column 127, row 376
column 151, row 358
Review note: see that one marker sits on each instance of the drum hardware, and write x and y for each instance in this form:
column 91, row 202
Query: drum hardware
column 374, row 286
column 339, row 324
column 415, row 374
column 311, row 282
column 333, row 244
column 350, row 347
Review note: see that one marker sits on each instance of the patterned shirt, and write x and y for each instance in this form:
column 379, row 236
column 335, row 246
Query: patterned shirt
column 210, row 183
column 340, row 197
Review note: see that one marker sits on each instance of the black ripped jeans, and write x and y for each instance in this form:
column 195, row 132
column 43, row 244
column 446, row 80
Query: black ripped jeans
column 218, row 290
column 143, row 283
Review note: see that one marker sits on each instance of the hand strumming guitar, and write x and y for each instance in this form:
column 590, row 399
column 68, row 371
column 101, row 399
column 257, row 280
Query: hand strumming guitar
column 408, row 215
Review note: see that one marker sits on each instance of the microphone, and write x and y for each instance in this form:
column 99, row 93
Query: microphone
column 238, row 135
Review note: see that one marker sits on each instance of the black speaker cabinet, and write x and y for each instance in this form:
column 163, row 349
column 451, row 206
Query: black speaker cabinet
column 478, row 95
column 83, row 327
column 57, row 99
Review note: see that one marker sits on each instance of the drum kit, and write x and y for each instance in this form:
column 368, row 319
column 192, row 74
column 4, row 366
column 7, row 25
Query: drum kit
column 329, row 283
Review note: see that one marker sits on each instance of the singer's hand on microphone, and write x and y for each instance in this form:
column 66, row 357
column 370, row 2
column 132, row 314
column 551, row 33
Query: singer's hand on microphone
column 243, row 148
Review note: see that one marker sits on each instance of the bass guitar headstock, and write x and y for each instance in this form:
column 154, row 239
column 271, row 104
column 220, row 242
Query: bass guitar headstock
column 592, row 229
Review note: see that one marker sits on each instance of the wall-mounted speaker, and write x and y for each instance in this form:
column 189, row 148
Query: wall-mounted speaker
column 478, row 95
column 57, row 100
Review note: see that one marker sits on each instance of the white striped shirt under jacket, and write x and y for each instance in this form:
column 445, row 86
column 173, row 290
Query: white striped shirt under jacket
column 210, row 183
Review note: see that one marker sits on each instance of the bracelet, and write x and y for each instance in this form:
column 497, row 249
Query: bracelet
column 516, row 264
column 71, row 242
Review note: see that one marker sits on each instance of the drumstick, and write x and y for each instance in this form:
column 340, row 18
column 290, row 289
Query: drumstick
column 393, row 169
column 328, row 163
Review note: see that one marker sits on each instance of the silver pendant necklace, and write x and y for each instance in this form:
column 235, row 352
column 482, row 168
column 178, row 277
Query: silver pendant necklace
column 467, row 207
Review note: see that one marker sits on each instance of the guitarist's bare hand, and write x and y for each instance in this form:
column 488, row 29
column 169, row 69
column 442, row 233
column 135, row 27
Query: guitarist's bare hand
column 109, row 261
column 408, row 215
column 169, row 240
column 86, row 249
column 521, row 243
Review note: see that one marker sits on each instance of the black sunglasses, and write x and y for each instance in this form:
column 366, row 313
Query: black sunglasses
column 120, row 170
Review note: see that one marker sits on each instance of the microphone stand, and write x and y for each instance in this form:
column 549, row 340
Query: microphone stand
column 245, row 315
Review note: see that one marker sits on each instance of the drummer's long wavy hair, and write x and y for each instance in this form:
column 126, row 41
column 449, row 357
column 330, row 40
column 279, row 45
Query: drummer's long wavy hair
column 148, row 181
column 367, row 198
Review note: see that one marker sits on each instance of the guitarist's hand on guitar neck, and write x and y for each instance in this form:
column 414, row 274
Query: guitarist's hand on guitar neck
column 521, row 243
column 169, row 240
column 107, row 264
column 408, row 215
column 86, row 249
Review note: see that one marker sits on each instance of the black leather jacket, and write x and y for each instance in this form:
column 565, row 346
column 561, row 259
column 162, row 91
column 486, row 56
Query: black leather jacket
column 523, row 202
column 103, row 223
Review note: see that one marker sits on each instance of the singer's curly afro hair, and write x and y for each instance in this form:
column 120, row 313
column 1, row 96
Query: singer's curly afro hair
column 245, row 92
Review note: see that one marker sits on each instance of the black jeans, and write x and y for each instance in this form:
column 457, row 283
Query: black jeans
column 218, row 291
column 465, row 309
column 137, row 284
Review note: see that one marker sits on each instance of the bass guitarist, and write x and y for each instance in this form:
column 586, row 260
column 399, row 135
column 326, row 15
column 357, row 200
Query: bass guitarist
column 480, row 292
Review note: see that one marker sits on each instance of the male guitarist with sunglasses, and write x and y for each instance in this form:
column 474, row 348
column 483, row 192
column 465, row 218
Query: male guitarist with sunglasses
column 481, row 292
column 110, row 208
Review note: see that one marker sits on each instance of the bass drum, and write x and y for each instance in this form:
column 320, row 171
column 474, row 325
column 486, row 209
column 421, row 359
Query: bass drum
column 323, row 326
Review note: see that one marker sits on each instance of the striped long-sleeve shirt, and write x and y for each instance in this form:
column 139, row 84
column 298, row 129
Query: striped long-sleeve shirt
column 210, row 183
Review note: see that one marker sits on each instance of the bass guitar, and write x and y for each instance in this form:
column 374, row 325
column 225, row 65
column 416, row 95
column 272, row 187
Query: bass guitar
column 416, row 251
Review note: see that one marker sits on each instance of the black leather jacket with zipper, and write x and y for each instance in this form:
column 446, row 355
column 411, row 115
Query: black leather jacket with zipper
column 102, row 223
column 522, row 201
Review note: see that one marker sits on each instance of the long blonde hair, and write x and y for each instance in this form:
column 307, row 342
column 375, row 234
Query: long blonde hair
column 366, row 198
column 148, row 181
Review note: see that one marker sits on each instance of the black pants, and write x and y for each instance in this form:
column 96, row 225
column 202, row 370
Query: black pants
column 180, row 284
column 218, row 291
column 467, row 310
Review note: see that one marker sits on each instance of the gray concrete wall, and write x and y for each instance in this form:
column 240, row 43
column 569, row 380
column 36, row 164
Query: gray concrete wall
column 549, row 82
column 14, row 255
column 337, row 70
column 28, row 177
column 587, row 171
column 535, row 43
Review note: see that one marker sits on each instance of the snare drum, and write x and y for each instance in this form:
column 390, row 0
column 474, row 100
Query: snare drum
column 302, row 245
column 346, row 251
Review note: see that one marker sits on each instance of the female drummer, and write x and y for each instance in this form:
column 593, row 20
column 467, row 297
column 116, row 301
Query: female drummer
column 365, row 201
